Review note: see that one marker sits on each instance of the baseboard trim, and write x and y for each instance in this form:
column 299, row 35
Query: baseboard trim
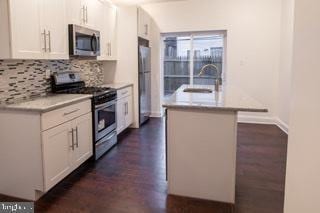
column 282, row 125
column 264, row 120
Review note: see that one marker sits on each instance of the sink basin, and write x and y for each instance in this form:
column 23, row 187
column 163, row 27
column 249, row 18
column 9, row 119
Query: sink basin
column 197, row 90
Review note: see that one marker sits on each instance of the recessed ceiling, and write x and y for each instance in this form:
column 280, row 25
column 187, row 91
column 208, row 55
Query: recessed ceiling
column 139, row 2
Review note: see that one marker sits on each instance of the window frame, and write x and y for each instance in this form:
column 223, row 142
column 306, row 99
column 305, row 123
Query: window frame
column 192, row 34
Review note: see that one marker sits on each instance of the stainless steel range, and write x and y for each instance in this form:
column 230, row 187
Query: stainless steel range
column 103, row 108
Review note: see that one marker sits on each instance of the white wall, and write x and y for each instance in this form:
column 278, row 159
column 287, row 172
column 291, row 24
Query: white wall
column 285, row 62
column 303, row 164
column 126, row 68
column 253, row 41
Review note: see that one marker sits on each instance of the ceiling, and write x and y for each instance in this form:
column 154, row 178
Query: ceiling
column 139, row 2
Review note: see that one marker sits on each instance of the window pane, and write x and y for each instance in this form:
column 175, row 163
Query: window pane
column 207, row 50
column 176, row 63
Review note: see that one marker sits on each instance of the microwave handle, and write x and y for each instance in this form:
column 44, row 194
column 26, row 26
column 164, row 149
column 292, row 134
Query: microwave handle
column 94, row 43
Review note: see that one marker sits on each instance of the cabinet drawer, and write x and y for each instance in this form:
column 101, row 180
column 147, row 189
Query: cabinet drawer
column 124, row 92
column 62, row 115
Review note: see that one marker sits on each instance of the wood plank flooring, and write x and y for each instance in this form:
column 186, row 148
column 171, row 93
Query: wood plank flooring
column 131, row 177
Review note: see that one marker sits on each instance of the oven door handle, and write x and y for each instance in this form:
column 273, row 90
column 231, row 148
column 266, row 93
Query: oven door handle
column 108, row 138
column 94, row 43
column 110, row 103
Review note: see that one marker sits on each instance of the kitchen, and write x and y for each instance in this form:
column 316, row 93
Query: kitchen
column 80, row 81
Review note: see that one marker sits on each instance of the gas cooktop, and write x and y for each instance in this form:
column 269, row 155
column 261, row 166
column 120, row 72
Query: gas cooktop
column 89, row 90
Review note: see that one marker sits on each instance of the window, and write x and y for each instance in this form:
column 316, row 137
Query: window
column 184, row 56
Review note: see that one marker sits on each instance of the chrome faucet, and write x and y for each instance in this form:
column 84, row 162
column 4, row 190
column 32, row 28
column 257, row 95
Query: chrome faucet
column 219, row 73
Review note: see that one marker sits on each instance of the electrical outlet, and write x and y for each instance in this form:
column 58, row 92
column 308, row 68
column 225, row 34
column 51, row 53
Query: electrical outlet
column 48, row 74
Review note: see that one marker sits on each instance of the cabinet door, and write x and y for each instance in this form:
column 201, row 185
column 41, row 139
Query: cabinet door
column 141, row 23
column 54, row 22
column 129, row 111
column 56, row 148
column 104, row 34
column 26, row 38
column 75, row 12
column 144, row 22
column 92, row 18
column 83, row 141
column 108, row 30
column 112, row 29
column 147, row 25
column 120, row 115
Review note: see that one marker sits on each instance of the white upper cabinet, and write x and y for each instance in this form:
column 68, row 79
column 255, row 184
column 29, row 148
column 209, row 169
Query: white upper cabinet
column 22, row 19
column 75, row 12
column 55, row 27
column 38, row 29
column 84, row 12
column 91, row 17
column 144, row 24
column 35, row 29
column 108, row 28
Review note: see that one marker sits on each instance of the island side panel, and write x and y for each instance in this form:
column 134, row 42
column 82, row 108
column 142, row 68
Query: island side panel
column 20, row 154
column 202, row 154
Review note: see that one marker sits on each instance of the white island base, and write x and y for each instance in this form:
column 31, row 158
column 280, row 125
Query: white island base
column 201, row 153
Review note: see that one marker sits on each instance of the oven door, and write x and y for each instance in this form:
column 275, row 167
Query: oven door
column 105, row 119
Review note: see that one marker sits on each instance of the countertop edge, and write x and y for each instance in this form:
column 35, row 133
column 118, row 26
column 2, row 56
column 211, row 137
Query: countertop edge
column 124, row 86
column 212, row 108
column 44, row 110
column 118, row 86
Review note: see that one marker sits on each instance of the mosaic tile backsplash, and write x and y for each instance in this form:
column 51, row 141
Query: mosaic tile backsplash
column 25, row 79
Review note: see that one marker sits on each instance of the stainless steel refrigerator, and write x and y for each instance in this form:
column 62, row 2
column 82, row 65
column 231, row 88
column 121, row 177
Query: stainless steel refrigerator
column 144, row 83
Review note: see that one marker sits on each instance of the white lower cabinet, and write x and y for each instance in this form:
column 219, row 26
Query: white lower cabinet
column 128, row 116
column 124, row 109
column 66, row 147
column 56, row 144
column 120, row 115
column 83, row 137
column 48, row 146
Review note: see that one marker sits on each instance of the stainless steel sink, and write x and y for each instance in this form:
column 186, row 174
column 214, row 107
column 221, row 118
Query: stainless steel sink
column 197, row 90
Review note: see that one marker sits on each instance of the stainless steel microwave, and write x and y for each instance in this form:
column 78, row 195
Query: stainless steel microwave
column 83, row 41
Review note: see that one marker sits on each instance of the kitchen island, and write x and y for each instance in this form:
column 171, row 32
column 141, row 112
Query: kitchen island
column 202, row 140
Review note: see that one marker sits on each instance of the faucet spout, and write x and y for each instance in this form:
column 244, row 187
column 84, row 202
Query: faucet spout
column 217, row 80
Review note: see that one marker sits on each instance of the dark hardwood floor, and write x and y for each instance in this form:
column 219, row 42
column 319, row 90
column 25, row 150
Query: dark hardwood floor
column 131, row 177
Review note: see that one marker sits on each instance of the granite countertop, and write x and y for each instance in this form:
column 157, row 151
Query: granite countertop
column 227, row 99
column 46, row 103
column 117, row 86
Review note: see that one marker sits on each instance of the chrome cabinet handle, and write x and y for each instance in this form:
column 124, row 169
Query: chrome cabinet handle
column 146, row 29
column 87, row 14
column 110, row 49
column 126, row 108
column 123, row 93
column 49, row 36
column 45, row 40
column 83, row 14
column 77, row 135
column 72, row 136
column 68, row 113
